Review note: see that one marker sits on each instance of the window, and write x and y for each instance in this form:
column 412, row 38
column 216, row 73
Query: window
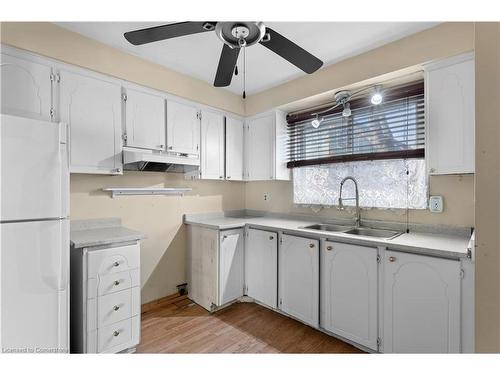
column 381, row 146
column 392, row 130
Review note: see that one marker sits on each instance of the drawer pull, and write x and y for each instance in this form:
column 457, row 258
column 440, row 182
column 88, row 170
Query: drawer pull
column 116, row 283
column 116, row 333
column 329, row 248
column 271, row 237
column 392, row 259
column 116, row 264
column 311, row 245
column 116, row 308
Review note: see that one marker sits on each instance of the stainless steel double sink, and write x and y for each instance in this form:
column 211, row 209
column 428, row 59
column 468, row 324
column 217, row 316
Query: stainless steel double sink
column 360, row 231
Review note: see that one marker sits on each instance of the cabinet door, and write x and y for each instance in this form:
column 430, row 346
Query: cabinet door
column 145, row 120
column 202, row 266
column 92, row 108
column 421, row 304
column 450, row 118
column 259, row 148
column 299, row 278
column 230, row 265
column 183, row 128
column 212, row 145
column 234, row 149
column 261, row 266
column 26, row 88
column 349, row 292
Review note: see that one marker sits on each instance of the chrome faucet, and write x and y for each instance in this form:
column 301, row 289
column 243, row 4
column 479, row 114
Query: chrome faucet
column 341, row 205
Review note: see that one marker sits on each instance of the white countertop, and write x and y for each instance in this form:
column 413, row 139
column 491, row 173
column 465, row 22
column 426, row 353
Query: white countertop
column 444, row 245
column 97, row 232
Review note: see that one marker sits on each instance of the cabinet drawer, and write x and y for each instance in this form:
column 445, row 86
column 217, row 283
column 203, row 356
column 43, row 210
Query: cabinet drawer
column 112, row 308
column 113, row 283
column 118, row 334
column 113, row 260
column 97, row 287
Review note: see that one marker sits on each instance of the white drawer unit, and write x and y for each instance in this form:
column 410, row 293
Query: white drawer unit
column 105, row 298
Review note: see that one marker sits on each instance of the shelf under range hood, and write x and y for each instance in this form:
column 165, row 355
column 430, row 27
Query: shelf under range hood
column 147, row 160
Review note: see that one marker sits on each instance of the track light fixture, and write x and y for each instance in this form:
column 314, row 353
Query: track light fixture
column 316, row 122
column 377, row 96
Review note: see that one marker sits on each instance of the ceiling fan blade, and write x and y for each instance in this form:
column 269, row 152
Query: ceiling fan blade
column 173, row 30
column 291, row 52
column 227, row 62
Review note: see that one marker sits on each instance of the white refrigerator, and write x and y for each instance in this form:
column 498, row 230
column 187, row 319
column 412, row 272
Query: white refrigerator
column 34, row 236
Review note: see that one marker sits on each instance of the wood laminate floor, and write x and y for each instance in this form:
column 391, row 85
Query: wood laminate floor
column 180, row 326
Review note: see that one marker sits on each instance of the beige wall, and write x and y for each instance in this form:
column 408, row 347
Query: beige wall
column 158, row 217
column 56, row 42
column 487, row 48
column 458, row 192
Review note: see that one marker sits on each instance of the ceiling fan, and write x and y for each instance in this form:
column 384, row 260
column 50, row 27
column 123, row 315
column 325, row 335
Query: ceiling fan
column 235, row 36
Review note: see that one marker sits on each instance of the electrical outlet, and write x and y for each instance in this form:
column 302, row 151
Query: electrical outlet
column 436, row 203
column 267, row 196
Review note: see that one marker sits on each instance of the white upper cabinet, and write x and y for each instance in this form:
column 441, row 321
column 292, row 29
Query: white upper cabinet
column 234, row 149
column 92, row 108
column 349, row 292
column 144, row 119
column 230, row 265
column 212, row 145
column 261, row 266
column 450, row 115
column 265, row 145
column 299, row 278
column 421, row 304
column 183, row 128
column 26, row 88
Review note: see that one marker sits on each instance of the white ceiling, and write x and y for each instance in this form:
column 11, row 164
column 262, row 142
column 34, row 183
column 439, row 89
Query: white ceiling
column 198, row 55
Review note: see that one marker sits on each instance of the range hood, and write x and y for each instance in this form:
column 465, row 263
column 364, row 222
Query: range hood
column 153, row 161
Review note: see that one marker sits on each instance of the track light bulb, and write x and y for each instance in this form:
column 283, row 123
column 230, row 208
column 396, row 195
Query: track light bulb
column 316, row 122
column 347, row 109
column 377, row 97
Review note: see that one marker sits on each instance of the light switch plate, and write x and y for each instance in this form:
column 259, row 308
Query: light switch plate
column 436, row 203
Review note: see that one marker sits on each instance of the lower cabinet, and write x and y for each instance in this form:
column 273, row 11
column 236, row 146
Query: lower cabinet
column 383, row 300
column 299, row 278
column 105, row 299
column 349, row 292
column 261, row 266
column 421, row 304
column 215, row 266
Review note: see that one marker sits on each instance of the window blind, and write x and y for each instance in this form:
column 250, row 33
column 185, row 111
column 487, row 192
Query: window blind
column 394, row 129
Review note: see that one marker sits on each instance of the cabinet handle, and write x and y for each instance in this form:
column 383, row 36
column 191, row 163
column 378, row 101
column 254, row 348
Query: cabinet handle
column 392, row 259
column 224, row 237
column 170, row 147
column 160, row 146
column 329, row 248
column 271, row 237
column 116, row 283
column 228, row 177
column 221, row 177
column 311, row 245
column 116, row 333
column 116, row 264
column 116, row 308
